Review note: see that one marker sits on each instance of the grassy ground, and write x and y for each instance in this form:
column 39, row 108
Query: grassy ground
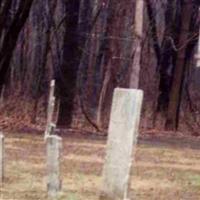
column 163, row 170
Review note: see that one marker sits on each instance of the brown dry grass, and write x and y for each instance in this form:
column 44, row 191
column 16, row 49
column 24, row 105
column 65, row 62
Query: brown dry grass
column 162, row 172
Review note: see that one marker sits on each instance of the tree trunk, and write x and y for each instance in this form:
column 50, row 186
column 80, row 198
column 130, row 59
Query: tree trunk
column 103, row 96
column 167, row 58
column 198, row 50
column 9, row 41
column 138, row 33
column 178, row 76
column 66, row 79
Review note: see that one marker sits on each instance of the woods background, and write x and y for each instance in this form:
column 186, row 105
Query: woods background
column 92, row 46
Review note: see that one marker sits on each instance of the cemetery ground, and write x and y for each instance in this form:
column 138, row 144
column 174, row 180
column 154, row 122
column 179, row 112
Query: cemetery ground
column 167, row 168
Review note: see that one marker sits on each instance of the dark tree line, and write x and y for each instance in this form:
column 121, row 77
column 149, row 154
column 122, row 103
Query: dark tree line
column 91, row 47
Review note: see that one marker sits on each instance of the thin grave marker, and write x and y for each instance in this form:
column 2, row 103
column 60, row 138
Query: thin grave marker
column 54, row 145
column 51, row 107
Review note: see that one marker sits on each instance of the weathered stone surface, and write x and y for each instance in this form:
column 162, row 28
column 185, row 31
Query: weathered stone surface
column 122, row 139
column 54, row 145
column 1, row 158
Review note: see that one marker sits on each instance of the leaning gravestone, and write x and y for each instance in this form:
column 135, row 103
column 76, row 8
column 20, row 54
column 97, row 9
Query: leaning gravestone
column 122, row 138
column 54, row 145
column 1, row 158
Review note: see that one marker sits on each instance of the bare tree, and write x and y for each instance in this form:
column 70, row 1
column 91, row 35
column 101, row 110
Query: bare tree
column 180, row 66
column 138, row 34
column 9, row 38
column 66, row 79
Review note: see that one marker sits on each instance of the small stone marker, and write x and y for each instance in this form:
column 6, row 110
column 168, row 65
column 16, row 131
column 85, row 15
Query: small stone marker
column 122, row 139
column 50, row 130
column 1, row 158
column 54, row 145
column 51, row 107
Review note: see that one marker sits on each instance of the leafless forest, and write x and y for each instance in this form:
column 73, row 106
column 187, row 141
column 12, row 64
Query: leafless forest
column 91, row 47
column 60, row 63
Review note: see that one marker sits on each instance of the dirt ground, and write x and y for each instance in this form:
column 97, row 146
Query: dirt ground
column 164, row 169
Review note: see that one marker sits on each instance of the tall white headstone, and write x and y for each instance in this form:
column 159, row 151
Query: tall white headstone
column 122, row 139
column 54, row 145
column 1, row 158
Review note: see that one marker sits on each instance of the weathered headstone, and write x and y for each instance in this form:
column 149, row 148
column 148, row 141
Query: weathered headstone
column 54, row 145
column 122, row 139
column 1, row 158
column 51, row 107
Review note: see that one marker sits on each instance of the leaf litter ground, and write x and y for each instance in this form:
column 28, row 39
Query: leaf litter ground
column 167, row 168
